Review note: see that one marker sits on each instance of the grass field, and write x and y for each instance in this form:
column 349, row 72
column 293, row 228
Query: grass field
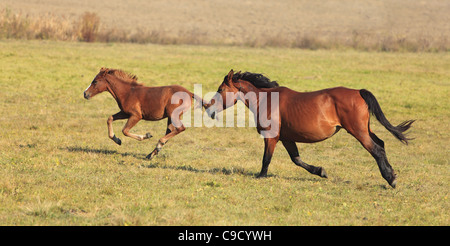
column 58, row 166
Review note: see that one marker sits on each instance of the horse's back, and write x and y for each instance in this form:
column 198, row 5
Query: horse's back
column 313, row 116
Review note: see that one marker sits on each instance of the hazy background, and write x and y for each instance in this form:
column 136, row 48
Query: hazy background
column 396, row 24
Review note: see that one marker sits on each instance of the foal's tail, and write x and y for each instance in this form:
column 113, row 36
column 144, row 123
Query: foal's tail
column 375, row 109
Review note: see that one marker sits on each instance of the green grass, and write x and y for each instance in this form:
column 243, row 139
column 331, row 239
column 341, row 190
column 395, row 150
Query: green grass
column 58, row 166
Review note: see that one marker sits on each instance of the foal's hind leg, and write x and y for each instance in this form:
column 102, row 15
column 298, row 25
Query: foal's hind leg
column 132, row 121
column 170, row 132
column 295, row 157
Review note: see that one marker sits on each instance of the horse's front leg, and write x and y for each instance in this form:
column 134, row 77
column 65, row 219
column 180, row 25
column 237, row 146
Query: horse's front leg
column 132, row 121
column 119, row 116
column 269, row 147
column 292, row 149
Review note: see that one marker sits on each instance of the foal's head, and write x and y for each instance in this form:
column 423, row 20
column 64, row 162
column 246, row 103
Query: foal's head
column 98, row 85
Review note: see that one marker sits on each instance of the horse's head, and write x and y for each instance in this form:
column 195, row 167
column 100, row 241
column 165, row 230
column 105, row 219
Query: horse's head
column 220, row 102
column 98, row 85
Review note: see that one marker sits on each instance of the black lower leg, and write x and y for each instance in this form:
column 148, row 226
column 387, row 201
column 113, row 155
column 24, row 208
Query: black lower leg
column 320, row 171
column 292, row 150
column 264, row 168
column 269, row 146
column 386, row 169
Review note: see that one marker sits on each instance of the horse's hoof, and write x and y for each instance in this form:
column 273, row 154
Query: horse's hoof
column 323, row 174
column 261, row 176
column 393, row 183
column 148, row 135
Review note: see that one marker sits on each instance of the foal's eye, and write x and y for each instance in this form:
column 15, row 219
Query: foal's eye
column 94, row 82
column 219, row 90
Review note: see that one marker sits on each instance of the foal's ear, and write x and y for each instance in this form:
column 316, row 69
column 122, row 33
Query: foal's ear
column 104, row 71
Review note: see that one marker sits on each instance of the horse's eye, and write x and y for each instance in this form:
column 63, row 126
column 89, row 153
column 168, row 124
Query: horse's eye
column 94, row 82
column 219, row 91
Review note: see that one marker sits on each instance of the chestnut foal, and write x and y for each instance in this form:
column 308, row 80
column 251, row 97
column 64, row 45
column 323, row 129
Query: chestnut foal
column 137, row 102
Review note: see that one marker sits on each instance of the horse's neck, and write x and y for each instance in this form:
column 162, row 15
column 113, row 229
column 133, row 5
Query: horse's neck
column 118, row 89
column 251, row 95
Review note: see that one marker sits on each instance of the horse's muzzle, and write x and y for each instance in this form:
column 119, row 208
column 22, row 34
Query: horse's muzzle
column 211, row 112
column 86, row 95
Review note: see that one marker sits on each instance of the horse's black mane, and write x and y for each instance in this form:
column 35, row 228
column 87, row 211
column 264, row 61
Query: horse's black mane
column 257, row 79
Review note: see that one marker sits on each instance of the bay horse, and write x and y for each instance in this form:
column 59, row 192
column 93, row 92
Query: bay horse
column 309, row 117
column 137, row 102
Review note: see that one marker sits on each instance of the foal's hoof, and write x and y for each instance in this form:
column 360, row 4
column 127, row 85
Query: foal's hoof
column 151, row 155
column 148, row 135
column 117, row 140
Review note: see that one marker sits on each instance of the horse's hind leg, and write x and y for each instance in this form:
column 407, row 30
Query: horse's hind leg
column 170, row 132
column 378, row 152
column 295, row 157
column 375, row 146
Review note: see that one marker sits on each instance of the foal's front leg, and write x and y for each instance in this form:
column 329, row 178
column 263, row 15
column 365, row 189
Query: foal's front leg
column 119, row 116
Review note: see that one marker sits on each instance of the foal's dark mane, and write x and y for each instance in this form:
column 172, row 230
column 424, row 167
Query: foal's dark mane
column 257, row 79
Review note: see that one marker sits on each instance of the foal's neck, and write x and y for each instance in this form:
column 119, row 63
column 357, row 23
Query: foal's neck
column 119, row 89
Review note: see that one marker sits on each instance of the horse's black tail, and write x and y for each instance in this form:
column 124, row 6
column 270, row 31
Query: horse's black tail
column 375, row 109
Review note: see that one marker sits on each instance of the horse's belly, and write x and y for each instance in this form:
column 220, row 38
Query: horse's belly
column 305, row 135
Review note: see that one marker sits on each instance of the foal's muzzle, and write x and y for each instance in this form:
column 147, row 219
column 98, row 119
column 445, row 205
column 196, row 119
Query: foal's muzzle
column 87, row 96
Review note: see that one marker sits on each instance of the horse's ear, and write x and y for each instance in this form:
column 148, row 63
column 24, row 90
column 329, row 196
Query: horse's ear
column 230, row 76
